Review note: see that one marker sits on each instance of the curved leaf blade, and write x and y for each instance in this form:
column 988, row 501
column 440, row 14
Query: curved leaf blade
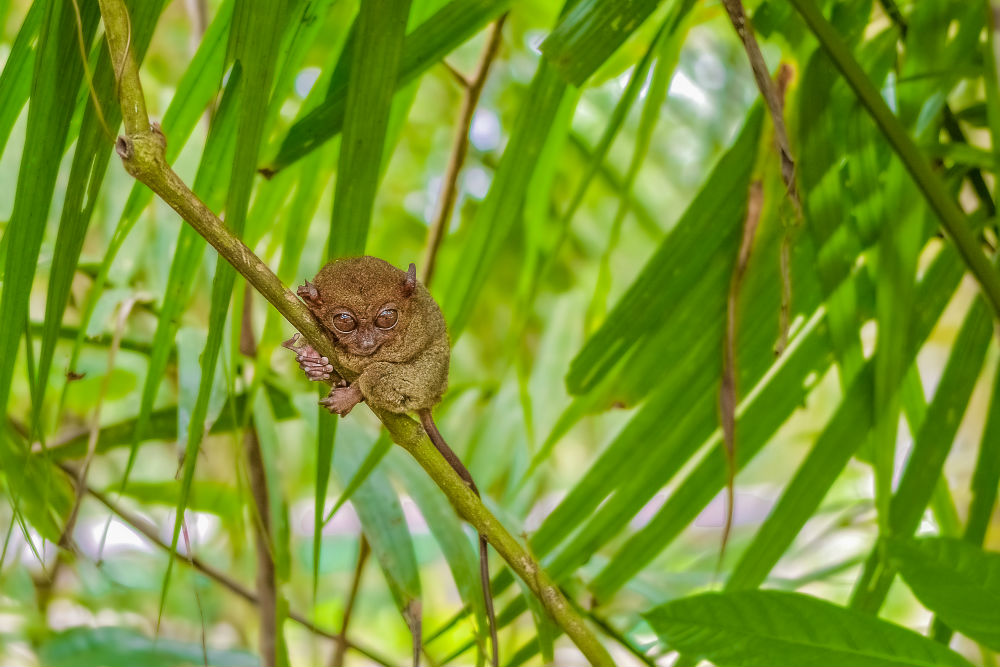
column 780, row 628
column 956, row 580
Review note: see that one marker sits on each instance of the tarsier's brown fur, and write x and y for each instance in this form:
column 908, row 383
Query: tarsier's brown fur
column 399, row 368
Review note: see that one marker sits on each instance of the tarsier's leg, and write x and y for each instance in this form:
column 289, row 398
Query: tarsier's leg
column 316, row 367
column 408, row 387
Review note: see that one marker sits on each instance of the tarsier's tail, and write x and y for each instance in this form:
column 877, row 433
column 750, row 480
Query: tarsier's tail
column 484, row 564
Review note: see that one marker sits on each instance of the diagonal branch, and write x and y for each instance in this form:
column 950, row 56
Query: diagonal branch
column 142, row 153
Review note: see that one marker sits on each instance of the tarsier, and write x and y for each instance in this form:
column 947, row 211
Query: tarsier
column 388, row 332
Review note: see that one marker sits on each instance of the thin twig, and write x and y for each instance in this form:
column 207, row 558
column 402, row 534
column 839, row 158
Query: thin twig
column 782, row 80
column 460, row 147
column 728, row 393
column 737, row 16
column 340, row 646
column 88, row 76
column 267, row 593
column 460, row 78
column 151, row 533
column 95, row 425
column 142, row 151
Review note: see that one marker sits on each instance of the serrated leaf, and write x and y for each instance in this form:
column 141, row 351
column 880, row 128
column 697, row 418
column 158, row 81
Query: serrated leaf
column 779, row 628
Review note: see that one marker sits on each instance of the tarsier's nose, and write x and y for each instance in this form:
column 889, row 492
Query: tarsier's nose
column 366, row 341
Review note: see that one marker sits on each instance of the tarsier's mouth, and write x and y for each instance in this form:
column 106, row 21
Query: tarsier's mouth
column 358, row 352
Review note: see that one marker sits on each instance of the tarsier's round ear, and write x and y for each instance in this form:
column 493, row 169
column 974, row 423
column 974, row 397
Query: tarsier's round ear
column 411, row 280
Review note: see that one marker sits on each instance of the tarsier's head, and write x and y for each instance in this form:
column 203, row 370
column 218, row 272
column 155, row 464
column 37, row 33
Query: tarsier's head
column 364, row 301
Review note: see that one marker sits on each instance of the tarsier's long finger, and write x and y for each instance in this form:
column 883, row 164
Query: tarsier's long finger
column 318, row 373
column 291, row 342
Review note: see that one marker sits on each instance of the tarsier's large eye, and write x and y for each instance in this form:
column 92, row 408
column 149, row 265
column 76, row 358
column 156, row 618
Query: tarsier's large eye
column 387, row 319
column 344, row 323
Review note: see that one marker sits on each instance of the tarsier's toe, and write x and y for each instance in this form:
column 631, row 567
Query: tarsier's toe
column 341, row 400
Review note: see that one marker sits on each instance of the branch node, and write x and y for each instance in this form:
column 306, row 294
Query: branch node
column 124, row 148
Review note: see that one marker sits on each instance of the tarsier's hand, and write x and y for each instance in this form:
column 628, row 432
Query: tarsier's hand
column 340, row 400
column 315, row 367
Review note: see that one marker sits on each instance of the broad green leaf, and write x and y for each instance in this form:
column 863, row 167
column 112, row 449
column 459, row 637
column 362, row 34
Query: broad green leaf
column 111, row 646
column 15, row 80
column 778, row 628
column 959, row 582
column 423, row 47
column 590, row 32
column 378, row 47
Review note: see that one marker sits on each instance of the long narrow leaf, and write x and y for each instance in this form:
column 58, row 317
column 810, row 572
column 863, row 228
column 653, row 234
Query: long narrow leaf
column 423, row 47
column 378, row 48
column 15, row 80
column 591, row 32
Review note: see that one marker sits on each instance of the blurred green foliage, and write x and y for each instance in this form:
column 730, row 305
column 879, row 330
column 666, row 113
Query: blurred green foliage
column 584, row 273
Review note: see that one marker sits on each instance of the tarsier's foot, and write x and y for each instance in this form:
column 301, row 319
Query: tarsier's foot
column 310, row 295
column 315, row 367
column 340, row 400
